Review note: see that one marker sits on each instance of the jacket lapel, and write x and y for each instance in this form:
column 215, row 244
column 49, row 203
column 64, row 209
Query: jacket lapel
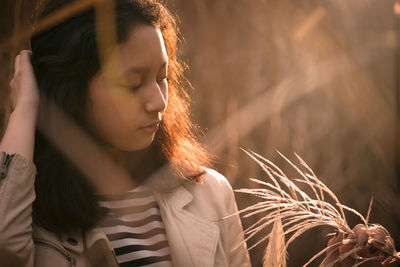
column 192, row 239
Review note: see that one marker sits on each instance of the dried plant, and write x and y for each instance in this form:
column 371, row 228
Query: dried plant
column 292, row 212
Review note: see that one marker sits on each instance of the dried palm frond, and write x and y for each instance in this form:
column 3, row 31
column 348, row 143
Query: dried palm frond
column 293, row 212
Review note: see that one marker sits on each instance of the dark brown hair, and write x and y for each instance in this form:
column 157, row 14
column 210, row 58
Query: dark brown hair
column 65, row 58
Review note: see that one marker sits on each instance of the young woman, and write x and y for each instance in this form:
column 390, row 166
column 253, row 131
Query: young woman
column 113, row 175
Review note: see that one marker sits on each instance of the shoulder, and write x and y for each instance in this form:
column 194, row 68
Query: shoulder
column 212, row 178
column 213, row 187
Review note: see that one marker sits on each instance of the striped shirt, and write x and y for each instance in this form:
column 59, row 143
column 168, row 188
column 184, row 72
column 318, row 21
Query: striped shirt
column 135, row 228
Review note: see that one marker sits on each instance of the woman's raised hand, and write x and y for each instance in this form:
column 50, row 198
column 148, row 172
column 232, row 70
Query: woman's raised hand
column 24, row 88
column 19, row 136
column 373, row 246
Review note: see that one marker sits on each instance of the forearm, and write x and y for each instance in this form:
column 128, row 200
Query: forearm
column 17, row 189
column 19, row 136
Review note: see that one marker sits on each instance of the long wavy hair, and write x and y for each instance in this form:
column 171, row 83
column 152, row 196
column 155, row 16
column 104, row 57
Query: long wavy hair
column 65, row 58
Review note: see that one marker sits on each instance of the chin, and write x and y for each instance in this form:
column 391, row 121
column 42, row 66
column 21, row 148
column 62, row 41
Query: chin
column 137, row 146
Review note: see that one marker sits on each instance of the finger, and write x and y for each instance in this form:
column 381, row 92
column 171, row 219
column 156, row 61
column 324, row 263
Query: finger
column 25, row 61
column 26, row 52
column 347, row 246
column 332, row 252
column 25, row 55
column 390, row 262
column 348, row 243
column 362, row 235
column 16, row 63
column 12, row 83
column 336, row 239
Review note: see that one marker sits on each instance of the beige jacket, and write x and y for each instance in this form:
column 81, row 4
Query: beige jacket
column 192, row 213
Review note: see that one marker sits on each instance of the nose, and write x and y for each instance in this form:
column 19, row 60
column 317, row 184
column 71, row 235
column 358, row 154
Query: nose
column 156, row 98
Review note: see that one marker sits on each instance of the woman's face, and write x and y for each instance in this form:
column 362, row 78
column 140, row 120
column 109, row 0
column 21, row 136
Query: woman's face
column 130, row 94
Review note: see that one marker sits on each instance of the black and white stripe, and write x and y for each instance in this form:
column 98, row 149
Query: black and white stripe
column 135, row 229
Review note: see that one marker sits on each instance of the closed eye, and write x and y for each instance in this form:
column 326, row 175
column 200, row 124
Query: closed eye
column 135, row 88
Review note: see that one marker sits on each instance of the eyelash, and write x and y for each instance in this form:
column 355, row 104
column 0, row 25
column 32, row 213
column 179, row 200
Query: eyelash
column 135, row 88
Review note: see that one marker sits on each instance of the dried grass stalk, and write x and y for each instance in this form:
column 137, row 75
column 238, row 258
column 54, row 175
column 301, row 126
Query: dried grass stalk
column 275, row 253
column 293, row 212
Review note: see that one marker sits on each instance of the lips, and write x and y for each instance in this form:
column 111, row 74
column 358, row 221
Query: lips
column 151, row 128
column 154, row 124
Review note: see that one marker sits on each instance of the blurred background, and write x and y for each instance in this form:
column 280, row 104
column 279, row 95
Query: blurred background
column 319, row 78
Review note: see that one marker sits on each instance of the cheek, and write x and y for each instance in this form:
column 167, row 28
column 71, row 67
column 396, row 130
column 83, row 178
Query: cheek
column 111, row 112
column 113, row 128
column 114, row 116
